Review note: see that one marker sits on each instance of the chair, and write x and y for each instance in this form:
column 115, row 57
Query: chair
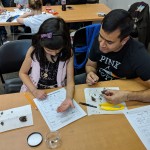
column 25, row 36
column 82, row 43
column 12, row 55
column 75, row 2
column 92, row 1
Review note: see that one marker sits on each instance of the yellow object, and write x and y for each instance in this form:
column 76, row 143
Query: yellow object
column 30, row 100
column 111, row 107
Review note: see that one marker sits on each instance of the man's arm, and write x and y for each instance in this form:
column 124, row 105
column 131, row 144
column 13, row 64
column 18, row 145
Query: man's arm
column 118, row 96
column 90, row 67
column 143, row 96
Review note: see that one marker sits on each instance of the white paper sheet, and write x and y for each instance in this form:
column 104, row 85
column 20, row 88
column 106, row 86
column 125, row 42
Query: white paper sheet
column 139, row 118
column 49, row 106
column 97, row 95
column 9, row 119
column 7, row 14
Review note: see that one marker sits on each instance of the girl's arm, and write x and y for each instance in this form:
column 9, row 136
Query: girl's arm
column 69, row 88
column 23, row 73
column 20, row 19
column 70, row 79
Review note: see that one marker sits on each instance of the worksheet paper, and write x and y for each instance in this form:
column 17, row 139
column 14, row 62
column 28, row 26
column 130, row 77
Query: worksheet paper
column 96, row 93
column 48, row 109
column 139, row 118
column 10, row 119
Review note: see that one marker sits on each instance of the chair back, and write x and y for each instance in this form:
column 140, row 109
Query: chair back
column 75, row 2
column 82, row 43
column 92, row 1
column 25, row 36
column 12, row 55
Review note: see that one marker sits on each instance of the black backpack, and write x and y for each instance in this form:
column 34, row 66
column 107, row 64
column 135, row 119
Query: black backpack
column 140, row 14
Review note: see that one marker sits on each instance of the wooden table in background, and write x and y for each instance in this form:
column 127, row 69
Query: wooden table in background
column 79, row 13
column 96, row 132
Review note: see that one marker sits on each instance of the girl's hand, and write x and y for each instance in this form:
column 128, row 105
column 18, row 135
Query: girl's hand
column 65, row 105
column 39, row 94
column 116, row 96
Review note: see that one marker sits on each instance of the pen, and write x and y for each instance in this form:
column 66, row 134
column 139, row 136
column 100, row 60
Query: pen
column 87, row 104
column 30, row 100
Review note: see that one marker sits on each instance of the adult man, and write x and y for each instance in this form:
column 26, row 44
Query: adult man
column 116, row 55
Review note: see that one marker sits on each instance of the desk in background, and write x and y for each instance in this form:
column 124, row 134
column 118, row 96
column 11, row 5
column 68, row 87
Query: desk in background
column 79, row 13
column 104, row 132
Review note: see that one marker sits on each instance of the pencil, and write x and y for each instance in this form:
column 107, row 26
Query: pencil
column 87, row 104
column 30, row 101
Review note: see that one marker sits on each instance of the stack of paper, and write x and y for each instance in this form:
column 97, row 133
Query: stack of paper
column 16, row 118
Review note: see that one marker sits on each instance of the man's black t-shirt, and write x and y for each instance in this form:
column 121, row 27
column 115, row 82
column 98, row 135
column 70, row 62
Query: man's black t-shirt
column 130, row 62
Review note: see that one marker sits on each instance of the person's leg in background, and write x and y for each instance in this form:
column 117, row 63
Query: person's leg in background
column 3, row 34
column 44, row 2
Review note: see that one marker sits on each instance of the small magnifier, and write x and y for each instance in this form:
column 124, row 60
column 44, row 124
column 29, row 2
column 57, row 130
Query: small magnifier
column 34, row 139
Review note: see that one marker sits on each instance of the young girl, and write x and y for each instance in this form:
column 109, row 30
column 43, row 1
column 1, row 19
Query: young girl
column 51, row 60
column 34, row 18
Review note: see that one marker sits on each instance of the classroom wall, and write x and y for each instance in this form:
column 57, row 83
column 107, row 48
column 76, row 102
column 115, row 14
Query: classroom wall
column 124, row 4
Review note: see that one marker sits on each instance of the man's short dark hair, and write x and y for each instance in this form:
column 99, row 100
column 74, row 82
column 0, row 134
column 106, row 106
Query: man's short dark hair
column 118, row 19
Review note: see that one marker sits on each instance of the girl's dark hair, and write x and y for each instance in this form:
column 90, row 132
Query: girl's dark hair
column 35, row 4
column 60, row 39
column 118, row 19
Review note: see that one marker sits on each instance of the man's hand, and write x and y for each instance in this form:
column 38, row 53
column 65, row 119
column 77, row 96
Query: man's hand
column 116, row 96
column 65, row 105
column 92, row 78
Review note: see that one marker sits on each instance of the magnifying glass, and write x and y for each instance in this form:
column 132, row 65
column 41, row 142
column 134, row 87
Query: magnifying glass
column 34, row 139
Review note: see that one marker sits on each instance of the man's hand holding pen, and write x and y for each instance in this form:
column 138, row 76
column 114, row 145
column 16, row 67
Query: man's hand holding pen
column 92, row 78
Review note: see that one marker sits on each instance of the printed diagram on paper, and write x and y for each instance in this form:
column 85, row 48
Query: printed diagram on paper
column 94, row 97
column 48, row 109
column 139, row 118
column 16, row 118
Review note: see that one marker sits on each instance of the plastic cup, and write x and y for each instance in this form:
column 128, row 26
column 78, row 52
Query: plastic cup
column 53, row 139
